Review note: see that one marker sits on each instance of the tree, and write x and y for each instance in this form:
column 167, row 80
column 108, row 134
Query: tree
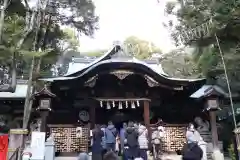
column 212, row 28
column 4, row 4
column 28, row 35
column 179, row 64
column 69, row 46
column 143, row 49
column 94, row 53
column 199, row 24
column 69, row 40
column 18, row 15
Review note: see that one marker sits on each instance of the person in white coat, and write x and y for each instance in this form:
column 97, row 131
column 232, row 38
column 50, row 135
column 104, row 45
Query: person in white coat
column 157, row 140
column 193, row 134
column 143, row 141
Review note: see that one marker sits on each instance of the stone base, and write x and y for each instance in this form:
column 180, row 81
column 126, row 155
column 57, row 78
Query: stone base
column 217, row 155
column 210, row 146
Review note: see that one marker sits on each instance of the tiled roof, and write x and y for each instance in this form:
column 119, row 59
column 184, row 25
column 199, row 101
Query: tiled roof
column 205, row 90
column 20, row 92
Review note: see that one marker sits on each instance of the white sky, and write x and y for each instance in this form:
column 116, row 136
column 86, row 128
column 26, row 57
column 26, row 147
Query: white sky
column 120, row 19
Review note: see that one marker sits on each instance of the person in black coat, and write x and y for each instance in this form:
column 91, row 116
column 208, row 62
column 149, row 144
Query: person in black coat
column 97, row 147
column 131, row 136
column 191, row 151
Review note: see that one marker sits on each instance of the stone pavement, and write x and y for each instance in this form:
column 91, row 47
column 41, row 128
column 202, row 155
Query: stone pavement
column 169, row 157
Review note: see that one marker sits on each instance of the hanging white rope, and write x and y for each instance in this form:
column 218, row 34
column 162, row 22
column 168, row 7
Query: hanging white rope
column 201, row 31
column 227, row 80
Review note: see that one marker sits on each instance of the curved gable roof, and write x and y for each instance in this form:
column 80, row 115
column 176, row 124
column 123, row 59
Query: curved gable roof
column 80, row 64
column 82, row 68
column 79, row 69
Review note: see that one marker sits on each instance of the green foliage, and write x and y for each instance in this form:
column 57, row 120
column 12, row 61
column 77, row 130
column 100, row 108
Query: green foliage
column 95, row 53
column 52, row 40
column 180, row 64
column 70, row 40
column 145, row 49
column 231, row 152
column 81, row 15
column 36, row 54
column 222, row 19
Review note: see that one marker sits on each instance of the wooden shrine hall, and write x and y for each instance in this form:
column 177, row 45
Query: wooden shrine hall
column 118, row 87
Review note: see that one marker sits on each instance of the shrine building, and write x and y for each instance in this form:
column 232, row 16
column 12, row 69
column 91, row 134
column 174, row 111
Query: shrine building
column 115, row 87
column 119, row 88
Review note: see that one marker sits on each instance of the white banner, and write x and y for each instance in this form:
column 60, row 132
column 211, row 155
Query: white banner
column 38, row 145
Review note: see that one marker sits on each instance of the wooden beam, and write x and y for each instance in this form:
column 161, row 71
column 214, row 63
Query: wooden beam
column 123, row 99
column 61, row 125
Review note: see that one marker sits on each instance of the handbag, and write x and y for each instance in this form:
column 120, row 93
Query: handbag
column 156, row 141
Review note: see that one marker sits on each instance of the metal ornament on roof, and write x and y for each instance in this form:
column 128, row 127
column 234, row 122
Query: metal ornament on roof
column 91, row 81
column 127, row 49
column 131, row 49
column 121, row 74
column 150, row 81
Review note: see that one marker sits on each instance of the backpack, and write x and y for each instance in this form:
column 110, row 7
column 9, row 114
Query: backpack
column 156, row 140
column 189, row 152
column 132, row 139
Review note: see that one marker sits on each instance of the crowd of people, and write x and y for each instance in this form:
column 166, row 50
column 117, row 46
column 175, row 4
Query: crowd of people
column 132, row 142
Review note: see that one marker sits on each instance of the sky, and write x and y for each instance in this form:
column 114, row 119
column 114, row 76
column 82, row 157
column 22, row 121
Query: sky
column 119, row 19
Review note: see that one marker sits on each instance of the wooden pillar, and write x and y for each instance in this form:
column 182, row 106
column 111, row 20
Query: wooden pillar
column 92, row 116
column 147, row 119
column 214, row 129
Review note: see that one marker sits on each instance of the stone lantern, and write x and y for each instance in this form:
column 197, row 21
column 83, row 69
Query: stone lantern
column 43, row 99
column 211, row 94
